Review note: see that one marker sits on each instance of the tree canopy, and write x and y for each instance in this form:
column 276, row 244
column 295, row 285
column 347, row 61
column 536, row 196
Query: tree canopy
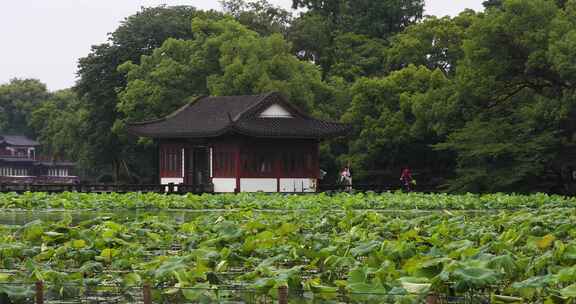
column 18, row 98
column 483, row 101
column 515, row 94
column 99, row 79
column 379, row 19
column 223, row 58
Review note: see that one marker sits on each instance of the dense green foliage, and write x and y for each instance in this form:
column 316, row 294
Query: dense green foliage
column 99, row 82
column 383, row 201
column 225, row 58
column 516, row 92
column 60, row 124
column 482, row 101
column 379, row 19
column 18, row 99
column 493, row 98
column 529, row 254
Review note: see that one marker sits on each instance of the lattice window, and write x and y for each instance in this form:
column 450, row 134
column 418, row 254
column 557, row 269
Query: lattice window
column 171, row 161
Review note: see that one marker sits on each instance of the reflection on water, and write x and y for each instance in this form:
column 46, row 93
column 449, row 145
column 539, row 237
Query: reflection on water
column 21, row 217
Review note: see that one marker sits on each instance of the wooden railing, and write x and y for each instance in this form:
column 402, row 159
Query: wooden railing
column 180, row 188
column 106, row 188
column 16, row 156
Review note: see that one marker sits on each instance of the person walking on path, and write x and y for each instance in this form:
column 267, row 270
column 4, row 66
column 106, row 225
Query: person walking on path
column 406, row 179
column 346, row 178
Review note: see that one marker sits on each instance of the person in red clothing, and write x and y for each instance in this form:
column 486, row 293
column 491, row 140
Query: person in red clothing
column 406, row 179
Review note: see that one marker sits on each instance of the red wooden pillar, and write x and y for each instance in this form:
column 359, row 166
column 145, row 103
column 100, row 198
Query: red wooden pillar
column 146, row 294
column 39, row 292
column 317, row 161
column 283, row 295
column 237, row 171
column 277, row 167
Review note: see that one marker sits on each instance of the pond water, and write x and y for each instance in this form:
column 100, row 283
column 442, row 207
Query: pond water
column 21, row 217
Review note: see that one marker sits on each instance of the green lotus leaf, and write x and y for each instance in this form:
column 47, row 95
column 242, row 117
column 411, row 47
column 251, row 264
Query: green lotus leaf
column 4, row 277
column 500, row 299
column 475, row 277
column 415, row 285
column 78, row 244
column 365, row 248
column 570, row 253
column 131, row 279
column 505, row 263
column 366, row 288
column 535, row 282
column 569, row 292
column 200, row 293
column 18, row 293
column 263, row 284
column 33, row 230
column 287, row 228
column 567, row 275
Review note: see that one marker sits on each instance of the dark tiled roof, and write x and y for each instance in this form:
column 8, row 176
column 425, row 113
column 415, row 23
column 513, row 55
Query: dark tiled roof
column 17, row 140
column 215, row 116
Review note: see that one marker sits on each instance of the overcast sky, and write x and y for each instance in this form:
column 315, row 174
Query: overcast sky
column 43, row 39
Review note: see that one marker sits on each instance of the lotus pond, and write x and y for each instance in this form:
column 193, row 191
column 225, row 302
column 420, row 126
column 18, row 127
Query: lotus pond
column 324, row 248
column 391, row 200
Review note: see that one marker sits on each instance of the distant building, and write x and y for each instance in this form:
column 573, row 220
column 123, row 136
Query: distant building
column 20, row 164
column 239, row 144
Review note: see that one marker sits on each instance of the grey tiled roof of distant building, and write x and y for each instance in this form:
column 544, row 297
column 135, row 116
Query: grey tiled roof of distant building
column 17, row 140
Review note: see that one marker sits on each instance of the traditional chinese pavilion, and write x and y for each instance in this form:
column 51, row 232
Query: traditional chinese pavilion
column 19, row 163
column 239, row 144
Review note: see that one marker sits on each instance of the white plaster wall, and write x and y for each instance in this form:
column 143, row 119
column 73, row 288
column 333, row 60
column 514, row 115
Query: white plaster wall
column 211, row 162
column 275, row 110
column 258, row 184
column 224, row 184
column 183, row 164
column 297, row 185
column 175, row 180
column 168, row 180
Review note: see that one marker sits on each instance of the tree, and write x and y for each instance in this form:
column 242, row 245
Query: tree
column 353, row 56
column 492, row 3
column 18, row 98
column 311, row 36
column 259, row 16
column 379, row 19
column 503, row 153
column 224, row 58
column 499, row 3
column 434, row 43
column 350, row 36
column 396, row 118
column 99, row 79
column 59, row 123
column 517, row 91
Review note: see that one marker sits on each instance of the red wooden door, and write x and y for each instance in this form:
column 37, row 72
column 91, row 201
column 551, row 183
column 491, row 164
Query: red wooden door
column 197, row 166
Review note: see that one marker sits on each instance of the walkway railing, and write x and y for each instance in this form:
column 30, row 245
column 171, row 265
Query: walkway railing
column 44, row 293
column 180, row 188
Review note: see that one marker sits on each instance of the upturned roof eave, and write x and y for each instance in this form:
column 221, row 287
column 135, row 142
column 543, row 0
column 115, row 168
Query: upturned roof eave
column 237, row 123
column 240, row 131
column 162, row 119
